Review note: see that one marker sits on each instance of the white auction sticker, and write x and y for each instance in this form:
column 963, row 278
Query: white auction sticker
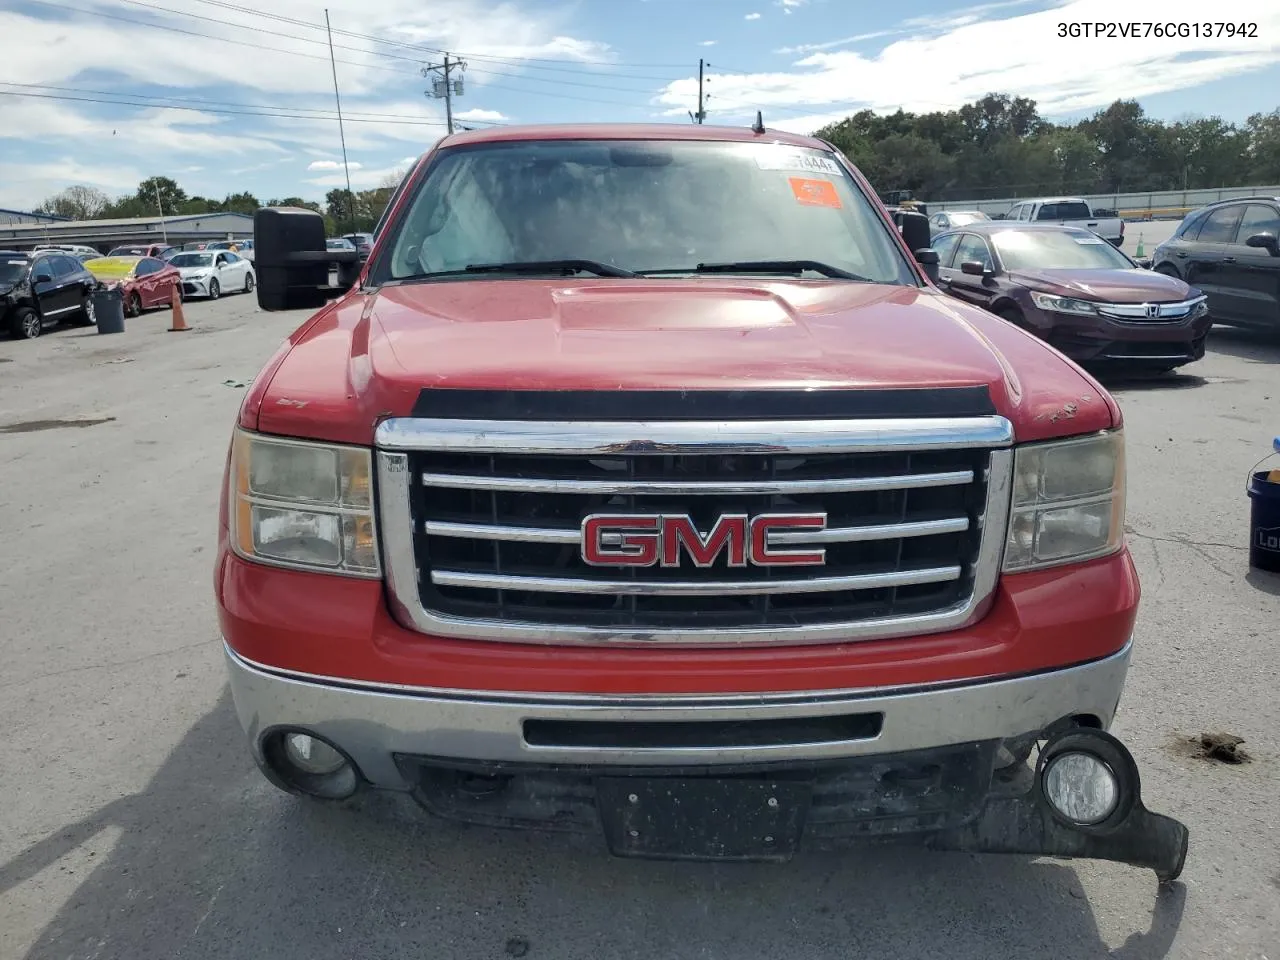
column 794, row 160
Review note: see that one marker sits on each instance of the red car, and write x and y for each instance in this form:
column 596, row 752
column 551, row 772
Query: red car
column 145, row 281
column 645, row 486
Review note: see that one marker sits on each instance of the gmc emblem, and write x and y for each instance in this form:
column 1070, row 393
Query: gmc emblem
column 647, row 540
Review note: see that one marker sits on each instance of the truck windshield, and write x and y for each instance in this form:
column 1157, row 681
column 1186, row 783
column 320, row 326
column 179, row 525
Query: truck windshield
column 661, row 207
column 1057, row 250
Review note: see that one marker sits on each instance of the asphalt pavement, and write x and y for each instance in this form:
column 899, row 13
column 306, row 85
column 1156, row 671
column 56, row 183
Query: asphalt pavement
column 133, row 824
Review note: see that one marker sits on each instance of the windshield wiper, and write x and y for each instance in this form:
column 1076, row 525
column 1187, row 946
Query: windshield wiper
column 779, row 266
column 566, row 267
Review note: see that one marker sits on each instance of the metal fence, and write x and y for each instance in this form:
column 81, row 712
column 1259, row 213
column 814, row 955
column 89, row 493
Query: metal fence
column 1151, row 205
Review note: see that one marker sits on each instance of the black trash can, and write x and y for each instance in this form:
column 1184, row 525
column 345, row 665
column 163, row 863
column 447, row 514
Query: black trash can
column 1264, row 516
column 108, row 306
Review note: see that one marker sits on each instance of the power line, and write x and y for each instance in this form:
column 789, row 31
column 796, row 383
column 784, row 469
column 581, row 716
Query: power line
column 373, row 53
column 440, row 50
column 223, row 110
column 210, row 36
column 310, row 56
column 322, row 113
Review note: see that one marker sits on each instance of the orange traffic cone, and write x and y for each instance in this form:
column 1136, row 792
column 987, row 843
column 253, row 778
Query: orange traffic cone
column 179, row 321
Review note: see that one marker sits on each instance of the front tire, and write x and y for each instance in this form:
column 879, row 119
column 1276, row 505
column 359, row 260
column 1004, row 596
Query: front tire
column 248, row 283
column 133, row 305
column 27, row 324
column 88, row 312
column 1012, row 314
column 214, row 290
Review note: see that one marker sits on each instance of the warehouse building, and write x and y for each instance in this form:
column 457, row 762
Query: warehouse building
column 105, row 234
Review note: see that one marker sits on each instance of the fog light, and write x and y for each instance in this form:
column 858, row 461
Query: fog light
column 311, row 755
column 296, row 760
column 1081, row 787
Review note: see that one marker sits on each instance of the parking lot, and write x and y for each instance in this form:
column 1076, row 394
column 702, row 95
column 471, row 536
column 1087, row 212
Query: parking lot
column 134, row 823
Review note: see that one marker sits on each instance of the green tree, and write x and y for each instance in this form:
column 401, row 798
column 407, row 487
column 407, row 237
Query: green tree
column 243, row 202
column 76, row 203
column 1262, row 137
column 171, row 196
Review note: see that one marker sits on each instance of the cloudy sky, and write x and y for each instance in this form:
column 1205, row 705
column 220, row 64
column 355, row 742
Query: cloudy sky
column 224, row 95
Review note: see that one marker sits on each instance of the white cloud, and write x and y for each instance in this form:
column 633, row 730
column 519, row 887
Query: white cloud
column 332, row 165
column 1020, row 54
column 359, row 178
column 409, row 160
column 64, row 46
column 708, row 43
column 805, row 48
column 752, row 16
column 789, row 5
column 476, row 113
column 23, row 185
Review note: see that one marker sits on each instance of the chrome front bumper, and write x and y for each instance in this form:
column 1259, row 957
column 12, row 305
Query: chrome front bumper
column 373, row 723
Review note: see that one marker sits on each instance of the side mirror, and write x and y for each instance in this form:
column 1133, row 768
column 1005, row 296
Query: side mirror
column 914, row 228
column 1143, row 262
column 42, row 276
column 927, row 257
column 1266, row 241
column 292, row 261
column 975, row 268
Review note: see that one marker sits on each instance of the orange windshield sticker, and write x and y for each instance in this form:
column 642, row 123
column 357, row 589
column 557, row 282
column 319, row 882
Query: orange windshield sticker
column 815, row 193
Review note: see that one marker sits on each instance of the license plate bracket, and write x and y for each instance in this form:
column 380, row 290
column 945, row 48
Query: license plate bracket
column 697, row 818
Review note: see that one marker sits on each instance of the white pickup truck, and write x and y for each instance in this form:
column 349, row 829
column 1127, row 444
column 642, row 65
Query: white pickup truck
column 1071, row 212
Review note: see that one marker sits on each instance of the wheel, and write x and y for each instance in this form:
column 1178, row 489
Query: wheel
column 214, row 291
column 1012, row 314
column 133, row 305
column 27, row 324
column 248, row 282
column 89, row 313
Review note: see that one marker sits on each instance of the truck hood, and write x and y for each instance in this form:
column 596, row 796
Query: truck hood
column 369, row 355
column 1107, row 286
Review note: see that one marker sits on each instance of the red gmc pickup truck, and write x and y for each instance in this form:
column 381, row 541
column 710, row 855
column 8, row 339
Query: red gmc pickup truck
column 641, row 483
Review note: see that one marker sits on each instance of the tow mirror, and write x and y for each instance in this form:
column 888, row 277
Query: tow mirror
column 293, row 262
column 927, row 257
column 914, row 228
column 1266, row 241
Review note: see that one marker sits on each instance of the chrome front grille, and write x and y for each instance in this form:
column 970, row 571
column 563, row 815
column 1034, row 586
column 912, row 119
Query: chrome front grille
column 1151, row 312
column 481, row 527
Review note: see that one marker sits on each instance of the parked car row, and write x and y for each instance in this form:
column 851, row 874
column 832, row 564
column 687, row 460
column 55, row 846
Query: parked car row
column 43, row 288
column 1070, row 287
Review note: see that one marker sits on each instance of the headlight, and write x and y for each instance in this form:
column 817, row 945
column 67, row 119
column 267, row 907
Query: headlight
column 1047, row 301
column 307, row 505
column 1068, row 501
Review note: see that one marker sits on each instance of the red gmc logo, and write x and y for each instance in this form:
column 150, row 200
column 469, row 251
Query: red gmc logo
column 646, row 540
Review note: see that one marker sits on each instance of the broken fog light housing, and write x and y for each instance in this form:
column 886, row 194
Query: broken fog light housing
column 304, row 505
column 1068, row 501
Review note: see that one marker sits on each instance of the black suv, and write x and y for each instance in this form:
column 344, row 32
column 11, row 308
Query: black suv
column 41, row 289
column 1231, row 251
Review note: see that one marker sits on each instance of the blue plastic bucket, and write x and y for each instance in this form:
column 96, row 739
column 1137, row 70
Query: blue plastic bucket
column 1264, row 520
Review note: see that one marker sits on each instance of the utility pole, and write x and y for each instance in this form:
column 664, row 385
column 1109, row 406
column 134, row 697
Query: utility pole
column 164, row 231
column 351, row 199
column 702, row 112
column 444, row 88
